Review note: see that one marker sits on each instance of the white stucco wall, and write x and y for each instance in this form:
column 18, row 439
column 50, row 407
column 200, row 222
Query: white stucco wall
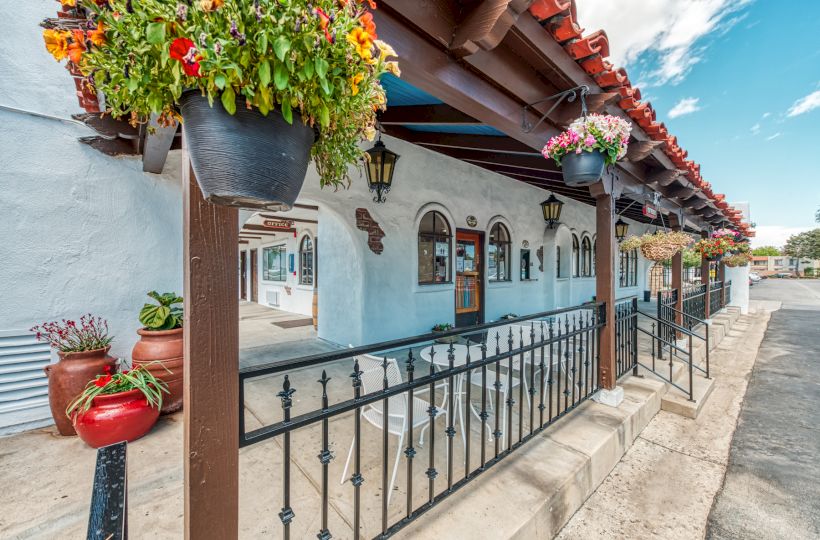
column 393, row 303
column 82, row 232
column 739, row 276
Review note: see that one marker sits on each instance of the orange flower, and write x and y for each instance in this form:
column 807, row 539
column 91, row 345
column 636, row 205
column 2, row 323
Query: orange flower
column 369, row 25
column 77, row 46
column 354, row 83
column 68, row 3
column 211, row 5
column 56, row 43
column 97, row 36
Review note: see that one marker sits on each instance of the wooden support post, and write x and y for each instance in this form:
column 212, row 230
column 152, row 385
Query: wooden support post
column 721, row 276
column 704, row 278
column 605, row 285
column 211, row 366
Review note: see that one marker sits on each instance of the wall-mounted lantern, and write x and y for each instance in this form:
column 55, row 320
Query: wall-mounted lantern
column 621, row 228
column 552, row 210
column 380, row 169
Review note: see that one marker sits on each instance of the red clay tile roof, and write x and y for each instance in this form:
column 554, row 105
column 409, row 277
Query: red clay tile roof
column 560, row 19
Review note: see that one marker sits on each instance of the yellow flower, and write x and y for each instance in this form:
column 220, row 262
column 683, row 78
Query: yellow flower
column 56, row 43
column 369, row 133
column 385, row 49
column 68, row 3
column 360, row 39
column 393, row 67
column 210, row 5
column 354, row 83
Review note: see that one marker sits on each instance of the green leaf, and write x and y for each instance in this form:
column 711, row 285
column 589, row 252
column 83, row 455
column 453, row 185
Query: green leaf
column 280, row 76
column 154, row 316
column 219, row 81
column 133, row 84
column 281, row 47
column 229, row 100
column 325, row 86
column 155, row 32
column 287, row 112
column 321, row 67
column 324, row 116
column 308, row 67
column 264, row 72
column 262, row 43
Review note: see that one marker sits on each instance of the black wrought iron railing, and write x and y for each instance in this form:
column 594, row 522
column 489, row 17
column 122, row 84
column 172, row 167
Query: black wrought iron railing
column 664, row 352
column 626, row 336
column 694, row 304
column 108, row 518
column 667, row 300
column 491, row 388
column 716, row 302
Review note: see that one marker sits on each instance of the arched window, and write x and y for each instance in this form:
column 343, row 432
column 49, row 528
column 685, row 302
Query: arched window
column 434, row 249
column 557, row 261
column 306, row 261
column 633, row 276
column 594, row 254
column 499, row 253
column 576, row 262
column 586, row 257
column 628, row 275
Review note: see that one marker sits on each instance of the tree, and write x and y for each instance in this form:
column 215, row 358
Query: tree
column 766, row 251
column 817, row 216
column 803, row 246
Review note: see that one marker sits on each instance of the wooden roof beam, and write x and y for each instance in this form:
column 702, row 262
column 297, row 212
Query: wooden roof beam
column 440, row 114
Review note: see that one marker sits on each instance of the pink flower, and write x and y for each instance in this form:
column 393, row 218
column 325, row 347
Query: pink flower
column 589, row 141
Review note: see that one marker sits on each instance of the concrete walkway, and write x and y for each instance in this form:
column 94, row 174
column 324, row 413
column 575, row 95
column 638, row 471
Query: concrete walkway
column 772, row 485
column 664, row 486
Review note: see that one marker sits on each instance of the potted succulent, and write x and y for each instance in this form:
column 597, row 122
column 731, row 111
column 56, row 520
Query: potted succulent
column 82, row 348
column 115, row 407
column 160, row 348
column 590, row 143
column 440, row 328
column 261, row 87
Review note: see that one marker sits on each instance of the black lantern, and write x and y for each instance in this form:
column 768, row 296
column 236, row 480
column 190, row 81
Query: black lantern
column 552, row 210
column 621, row 228
column 379, row 170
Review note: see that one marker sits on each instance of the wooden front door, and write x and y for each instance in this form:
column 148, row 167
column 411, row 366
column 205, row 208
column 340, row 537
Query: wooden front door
column 254, row 276
column 469, row 278
column 243, row 275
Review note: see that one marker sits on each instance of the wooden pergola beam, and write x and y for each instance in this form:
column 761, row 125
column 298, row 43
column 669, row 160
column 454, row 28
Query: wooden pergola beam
column 433, row 115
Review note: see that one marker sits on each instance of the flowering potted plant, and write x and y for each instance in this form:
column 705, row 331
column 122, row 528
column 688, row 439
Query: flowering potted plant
column 260, row 86
column 82, row 348
column 116, row 407
column 160, row 348
column 440, row 328
column 590, row 143
column 714, row 248
column 738, row 259
column 633, row 242
column 662, row 245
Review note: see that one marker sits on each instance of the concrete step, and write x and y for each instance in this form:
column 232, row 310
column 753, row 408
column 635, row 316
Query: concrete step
column 675, row 401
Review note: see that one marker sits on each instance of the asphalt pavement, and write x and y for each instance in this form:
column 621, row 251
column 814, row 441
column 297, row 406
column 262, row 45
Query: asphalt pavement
column 772, row 484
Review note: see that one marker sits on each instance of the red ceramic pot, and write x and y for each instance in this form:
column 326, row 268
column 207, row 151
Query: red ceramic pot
column 112, row 418
column 68, row 378
column 160, row 351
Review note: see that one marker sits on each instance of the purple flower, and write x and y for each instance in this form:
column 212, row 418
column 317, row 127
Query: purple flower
column 240, row 37
column 218, row 48
column 182, row 12
column 203, row 39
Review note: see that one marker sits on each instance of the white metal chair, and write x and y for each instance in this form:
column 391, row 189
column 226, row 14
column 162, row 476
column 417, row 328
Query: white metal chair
column 476, row 379
column 397, row 424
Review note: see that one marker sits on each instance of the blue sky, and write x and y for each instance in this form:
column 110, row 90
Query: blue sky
column 738, row 82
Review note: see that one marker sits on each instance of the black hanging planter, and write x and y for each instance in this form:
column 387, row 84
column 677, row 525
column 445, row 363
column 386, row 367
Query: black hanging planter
column 246, row 159
column 582, row 169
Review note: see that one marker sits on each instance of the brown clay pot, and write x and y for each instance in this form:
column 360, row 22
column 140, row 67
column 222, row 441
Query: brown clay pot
column 164, row 346
column 67, row 379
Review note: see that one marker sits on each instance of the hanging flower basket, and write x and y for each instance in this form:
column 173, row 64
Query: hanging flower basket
column 292, row 80
column 738, row 259
column 590, row 143
column 717, row 245
column 633, row 242
column 662, row 245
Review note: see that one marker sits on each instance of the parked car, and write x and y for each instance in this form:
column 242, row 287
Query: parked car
column 783, row 275
column 754, row 276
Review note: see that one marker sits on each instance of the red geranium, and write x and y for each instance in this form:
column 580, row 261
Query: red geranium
column 184, row 50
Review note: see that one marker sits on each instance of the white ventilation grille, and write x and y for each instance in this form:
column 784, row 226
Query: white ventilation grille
column 23, row 384
column 272, row 298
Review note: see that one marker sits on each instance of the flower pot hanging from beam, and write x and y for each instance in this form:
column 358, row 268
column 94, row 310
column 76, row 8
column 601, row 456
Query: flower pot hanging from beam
column 588, row 146
column 245, row 159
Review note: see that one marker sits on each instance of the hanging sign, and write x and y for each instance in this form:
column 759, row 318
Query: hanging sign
column 279, row 224
column 649, row 210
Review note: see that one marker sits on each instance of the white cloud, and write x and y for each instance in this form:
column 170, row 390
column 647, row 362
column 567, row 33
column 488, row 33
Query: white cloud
column 766, row 115
column 774, row 235
column 684, row 106
column 755, row 129
column 772, row 137
column 805, row 104
column 669, row 28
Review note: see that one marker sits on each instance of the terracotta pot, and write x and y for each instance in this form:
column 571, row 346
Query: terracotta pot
column 67, row 379
column 112, row 418
column 164, row 346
